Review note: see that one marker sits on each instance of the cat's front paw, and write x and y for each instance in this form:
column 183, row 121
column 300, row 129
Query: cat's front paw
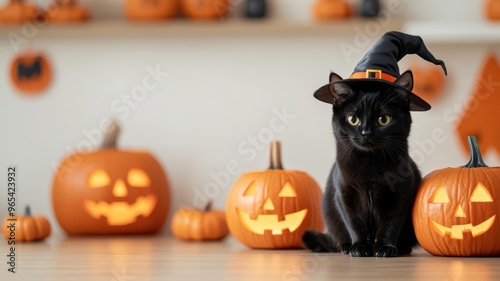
column 361, row 250
column 386, row 251
column 345, row 248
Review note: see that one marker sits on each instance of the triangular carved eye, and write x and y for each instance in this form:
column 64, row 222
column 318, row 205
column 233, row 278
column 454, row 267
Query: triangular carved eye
column 439, row 196
column 481, row 194
column 251, row 190
column 287, row 191
column 98, row 179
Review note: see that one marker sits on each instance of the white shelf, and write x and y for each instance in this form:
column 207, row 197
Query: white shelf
column 456, row 32
column 183, row 28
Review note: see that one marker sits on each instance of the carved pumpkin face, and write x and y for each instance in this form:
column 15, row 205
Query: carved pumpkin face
column 273, row 208
column 455, row 210
column 151, row 9
column 30, row 72
column 428, row 81
column 110, row 191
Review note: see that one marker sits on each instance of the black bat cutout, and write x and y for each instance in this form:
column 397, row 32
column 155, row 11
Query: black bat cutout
column 29, row 71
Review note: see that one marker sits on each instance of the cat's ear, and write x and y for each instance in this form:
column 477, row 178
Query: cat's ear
column 405, row 80
column 340, row 92
column 334, row 77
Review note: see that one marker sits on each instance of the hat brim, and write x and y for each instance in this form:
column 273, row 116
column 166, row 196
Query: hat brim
column 416, row 103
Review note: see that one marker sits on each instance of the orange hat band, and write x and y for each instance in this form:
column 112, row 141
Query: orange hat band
column 373, row 73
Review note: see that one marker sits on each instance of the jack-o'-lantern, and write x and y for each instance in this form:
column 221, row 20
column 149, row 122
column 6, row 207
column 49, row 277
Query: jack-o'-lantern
column 30, row 72
column 110, row 191
column 324, row 10
column 67, row 11
column 455, row 209
column 428, row 81
column 17, row 11
column 492, row 9
column 273, row 208
column 205, row 9
column 151, row 9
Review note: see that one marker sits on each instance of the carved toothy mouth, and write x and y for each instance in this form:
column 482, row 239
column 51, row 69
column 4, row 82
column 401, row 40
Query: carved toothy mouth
column 121, row 213
column 270, row 222
column 457, row 231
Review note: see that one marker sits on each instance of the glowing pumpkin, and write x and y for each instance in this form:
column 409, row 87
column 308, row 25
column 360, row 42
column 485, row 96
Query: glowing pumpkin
column 428, row 81
column 110, row 191
column 324, row 10
column 455, row 209
column 492, row 10
column 66, row 11
column 199, row 225
column 17, row 11
column 273, row 208
column 26, row 228
column 151, row 9
column 205, row 9
column 30, row 72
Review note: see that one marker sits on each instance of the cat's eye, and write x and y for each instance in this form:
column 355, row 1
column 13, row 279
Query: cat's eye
column 384, row 120
column 353, row 120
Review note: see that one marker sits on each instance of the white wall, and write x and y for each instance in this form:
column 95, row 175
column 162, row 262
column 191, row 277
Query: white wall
column 218, row 93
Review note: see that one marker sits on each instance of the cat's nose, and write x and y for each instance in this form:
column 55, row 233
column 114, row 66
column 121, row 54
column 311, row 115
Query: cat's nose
column 366, row 133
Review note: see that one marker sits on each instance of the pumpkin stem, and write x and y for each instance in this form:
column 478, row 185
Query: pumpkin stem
column 207, row 207
column 27, row 211
column 111, row 135
column 476, row 160
column 275, row 156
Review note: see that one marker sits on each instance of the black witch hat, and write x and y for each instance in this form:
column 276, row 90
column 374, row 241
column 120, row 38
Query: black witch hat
column 379, row 67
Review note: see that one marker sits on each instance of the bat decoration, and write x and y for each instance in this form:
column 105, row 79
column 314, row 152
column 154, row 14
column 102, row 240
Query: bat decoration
column 482, row 107
column 30, row 72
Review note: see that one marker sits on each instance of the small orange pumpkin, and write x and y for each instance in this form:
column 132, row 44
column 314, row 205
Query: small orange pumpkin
column 199, row 225
column 324, row 10
column 492, row 9
column 30, row 72
column 273, row 208
column 455, row 209
column 428, row 81
column 17, row 11
column 205, row 9
column 26, row 228
column 111, row 191
column 144, row 10
column 66, row 11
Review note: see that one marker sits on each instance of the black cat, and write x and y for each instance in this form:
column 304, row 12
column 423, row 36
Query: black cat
column 372, row 186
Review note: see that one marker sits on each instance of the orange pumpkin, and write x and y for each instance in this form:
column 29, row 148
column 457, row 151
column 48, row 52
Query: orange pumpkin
column 455, row 209
column 17, row 11
column 324, row 10
column 428, row 81
column 65, row 11
column 151, row 9
column 26, row 228
column 273, row 208
column 30, row 72
column 110, row 191
column 492, row 9
column 205, row 9
column 194, row 224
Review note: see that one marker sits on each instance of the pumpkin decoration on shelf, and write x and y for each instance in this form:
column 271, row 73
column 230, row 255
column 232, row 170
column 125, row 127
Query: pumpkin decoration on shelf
column 30, row 72
column 26, row 228
column 110, row 191
column 205, row 9
column 199, row 225
column 428, row 81
column 17, row 12
column 324, row 10
column 67, row 11
column 492, row 10
column 273, row 208
column 455, row 209
column 146, row 10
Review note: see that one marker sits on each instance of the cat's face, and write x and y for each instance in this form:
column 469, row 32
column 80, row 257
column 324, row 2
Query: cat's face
column 370, row 119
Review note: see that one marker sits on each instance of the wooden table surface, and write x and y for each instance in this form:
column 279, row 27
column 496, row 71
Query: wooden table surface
column 142, row 258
